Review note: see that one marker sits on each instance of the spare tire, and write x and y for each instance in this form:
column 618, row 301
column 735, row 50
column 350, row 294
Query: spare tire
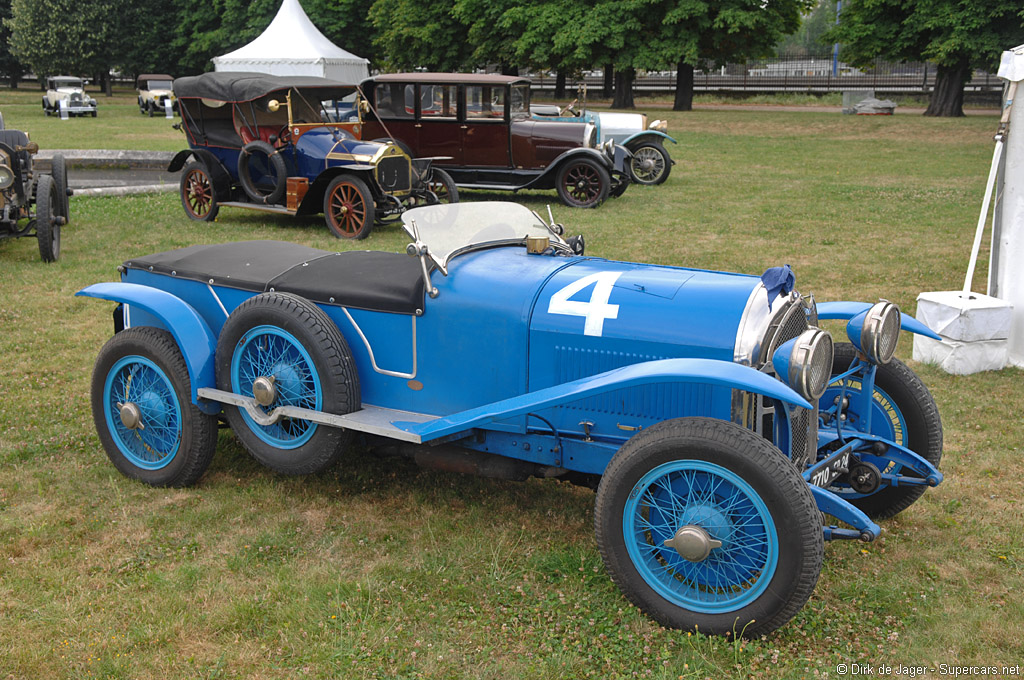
column 277, row 169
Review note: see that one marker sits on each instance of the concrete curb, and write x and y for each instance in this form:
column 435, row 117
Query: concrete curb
column 127, row 191
column 106, row 158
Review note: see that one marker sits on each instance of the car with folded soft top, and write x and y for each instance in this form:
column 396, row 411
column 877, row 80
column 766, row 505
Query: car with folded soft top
column 480, row 128
column 268, row 143
column 726, row 434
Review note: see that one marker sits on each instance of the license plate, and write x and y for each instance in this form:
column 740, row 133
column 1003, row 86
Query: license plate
column 826, row 472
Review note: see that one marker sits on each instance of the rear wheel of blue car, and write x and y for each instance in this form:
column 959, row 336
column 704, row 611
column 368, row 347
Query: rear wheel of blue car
column 703, row 524
column 904, row 412
column 650, row 164
column 348, row 207
column 198, row 197
column 282, row 350
column 143, row 410
column 582, row 183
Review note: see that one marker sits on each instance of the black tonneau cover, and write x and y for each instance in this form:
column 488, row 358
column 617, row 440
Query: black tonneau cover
column 386, row 282
column 241, row 86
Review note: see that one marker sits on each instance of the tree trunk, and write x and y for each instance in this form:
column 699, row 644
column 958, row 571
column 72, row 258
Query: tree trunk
column 947, row 100
column 560, row 84
column 624, row 89
column 684, row 87
column 108, row 84
column 609, row 81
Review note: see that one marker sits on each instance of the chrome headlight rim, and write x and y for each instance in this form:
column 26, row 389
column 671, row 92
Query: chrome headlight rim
column 6, row 176
column 609, row 149
column 880, row 332
column 805, row 362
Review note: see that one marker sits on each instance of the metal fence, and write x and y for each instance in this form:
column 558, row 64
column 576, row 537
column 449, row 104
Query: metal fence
column 793, row 74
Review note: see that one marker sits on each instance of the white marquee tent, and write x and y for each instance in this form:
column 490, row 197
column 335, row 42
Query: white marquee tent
column 292, row 46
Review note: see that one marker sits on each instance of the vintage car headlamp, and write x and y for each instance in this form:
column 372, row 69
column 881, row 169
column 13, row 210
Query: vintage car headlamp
column 876, row 332
column 659, row 125
column 6, row 176
column 805, row 362
column 609, row 149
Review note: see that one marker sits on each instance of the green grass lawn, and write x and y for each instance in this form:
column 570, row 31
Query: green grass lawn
column 379, row 570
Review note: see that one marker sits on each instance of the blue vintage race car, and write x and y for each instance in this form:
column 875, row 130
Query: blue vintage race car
column 714, row 418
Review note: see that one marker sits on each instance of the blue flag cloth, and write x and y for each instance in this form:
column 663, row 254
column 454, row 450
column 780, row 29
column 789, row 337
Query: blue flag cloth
column 778, row 280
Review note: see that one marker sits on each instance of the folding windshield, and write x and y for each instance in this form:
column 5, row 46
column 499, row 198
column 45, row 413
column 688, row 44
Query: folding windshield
column 519, row 102
column 67, row 82
column 451, row 229
column 158, row 84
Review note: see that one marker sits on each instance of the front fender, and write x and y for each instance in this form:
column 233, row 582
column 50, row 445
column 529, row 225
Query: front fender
column 661, row 371
column 546, row 180
column 194, row 337
column 219, row 175
column 654, row 136
column 846, row 310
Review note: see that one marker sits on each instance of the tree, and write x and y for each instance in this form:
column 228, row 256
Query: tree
column 957, row 36
column 692, row 33
column 10, row 67
column 67, row 36
column 807, row 40
column 411, row 34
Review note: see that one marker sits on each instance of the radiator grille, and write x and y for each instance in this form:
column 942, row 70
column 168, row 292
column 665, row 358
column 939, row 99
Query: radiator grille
column 393, row 174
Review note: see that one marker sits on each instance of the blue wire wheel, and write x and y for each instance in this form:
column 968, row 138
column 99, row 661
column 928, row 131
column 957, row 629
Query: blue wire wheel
column 153, row 444
column 698, row 493
column 271, row 352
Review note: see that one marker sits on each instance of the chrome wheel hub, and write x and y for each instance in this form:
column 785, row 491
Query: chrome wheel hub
column 693, row 543
column 131, row 416
column 264, row 390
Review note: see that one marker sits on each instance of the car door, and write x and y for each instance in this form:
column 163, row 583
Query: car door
column 485, row 126
column 438, row 129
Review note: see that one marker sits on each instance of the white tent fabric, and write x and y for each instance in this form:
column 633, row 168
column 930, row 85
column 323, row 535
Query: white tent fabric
column 1006, row 280
column 293, row 46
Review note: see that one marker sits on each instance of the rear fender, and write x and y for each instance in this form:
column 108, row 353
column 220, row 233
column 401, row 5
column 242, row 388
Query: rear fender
column 649, row 136
column 219, row 175
column 194, row 337
column 704, row 371
column 846, row 310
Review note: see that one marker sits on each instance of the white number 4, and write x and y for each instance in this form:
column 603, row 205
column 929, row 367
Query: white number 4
column 596, row 310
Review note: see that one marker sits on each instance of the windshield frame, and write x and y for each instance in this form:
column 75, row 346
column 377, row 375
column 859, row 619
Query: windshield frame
column 431, row 224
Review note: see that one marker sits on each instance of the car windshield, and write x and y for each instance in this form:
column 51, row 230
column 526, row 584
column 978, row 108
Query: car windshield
column 158, row 85
column 519, row 102
column 67, row 82
column 451, row 229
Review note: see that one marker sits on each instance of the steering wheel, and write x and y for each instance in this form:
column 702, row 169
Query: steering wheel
column 569, row 108
column 284, row 135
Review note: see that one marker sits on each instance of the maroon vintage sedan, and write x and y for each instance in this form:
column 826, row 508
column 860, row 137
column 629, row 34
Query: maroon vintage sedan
column 482, row 124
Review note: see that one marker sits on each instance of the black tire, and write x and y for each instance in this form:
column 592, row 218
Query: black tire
column 896, row 387
column 650, row 164
column 142, row 106
column 59, row 172
column 277, row 168
column 348, row 207
column 198, row 195
column 144, row 366
column 582, row 183
column 443, row 186
column 312, row 365
column 151, row 109
column 737, row 488
column 93, row 114
column 48, row 219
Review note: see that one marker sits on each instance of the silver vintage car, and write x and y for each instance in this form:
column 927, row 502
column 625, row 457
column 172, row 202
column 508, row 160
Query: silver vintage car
column 67, row 93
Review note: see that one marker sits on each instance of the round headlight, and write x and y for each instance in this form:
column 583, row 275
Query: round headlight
column 659, row 125
column 805, row 362
column 6, row 176
column 609, row 149
column 876, row 332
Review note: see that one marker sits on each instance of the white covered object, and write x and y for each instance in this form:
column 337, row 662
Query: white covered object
column 976, row 317
column 293, row 46
column 1007, row 264
column 961, row 358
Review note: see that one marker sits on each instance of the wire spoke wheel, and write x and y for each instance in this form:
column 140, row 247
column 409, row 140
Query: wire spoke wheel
column 649, row 165
column 137, row 386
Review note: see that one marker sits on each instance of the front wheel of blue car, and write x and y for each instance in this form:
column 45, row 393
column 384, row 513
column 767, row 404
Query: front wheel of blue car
column 902, row 411
column 703, row 524
column 141, row 404
column 282, row 350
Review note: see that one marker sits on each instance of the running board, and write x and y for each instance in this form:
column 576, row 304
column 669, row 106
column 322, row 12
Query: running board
column 279, row 209
column 369, row 419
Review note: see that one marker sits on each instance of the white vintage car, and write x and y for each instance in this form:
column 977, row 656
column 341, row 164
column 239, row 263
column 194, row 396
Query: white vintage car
column 67, row 93
column 154, row 91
